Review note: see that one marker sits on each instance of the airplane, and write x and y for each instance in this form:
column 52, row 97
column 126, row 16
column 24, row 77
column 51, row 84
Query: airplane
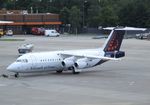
column 74, row 60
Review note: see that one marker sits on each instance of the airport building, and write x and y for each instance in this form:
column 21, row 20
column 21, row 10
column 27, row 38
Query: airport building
column 23, row 22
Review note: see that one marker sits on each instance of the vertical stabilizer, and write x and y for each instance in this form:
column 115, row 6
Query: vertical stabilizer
column 114, row 41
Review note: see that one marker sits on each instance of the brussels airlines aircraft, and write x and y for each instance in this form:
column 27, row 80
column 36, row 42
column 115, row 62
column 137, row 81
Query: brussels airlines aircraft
column 74, row 60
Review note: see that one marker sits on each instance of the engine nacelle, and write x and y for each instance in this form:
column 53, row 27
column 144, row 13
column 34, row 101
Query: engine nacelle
column 68, row 62
column 81, row 63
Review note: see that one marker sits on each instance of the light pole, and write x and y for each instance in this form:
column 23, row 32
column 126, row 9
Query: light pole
column 85, row 12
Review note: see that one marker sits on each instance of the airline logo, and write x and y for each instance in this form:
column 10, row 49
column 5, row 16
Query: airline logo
column 115, row 41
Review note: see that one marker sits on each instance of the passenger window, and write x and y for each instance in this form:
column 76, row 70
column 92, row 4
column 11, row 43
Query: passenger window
column 26, row 60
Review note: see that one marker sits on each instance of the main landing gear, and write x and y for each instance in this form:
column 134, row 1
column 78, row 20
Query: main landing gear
column 16, row 75
column 74, row 70
column 59, row 71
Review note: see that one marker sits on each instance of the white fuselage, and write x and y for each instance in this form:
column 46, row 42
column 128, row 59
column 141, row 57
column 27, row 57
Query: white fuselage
column 52, row 61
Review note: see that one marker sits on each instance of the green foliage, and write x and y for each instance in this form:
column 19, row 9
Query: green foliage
column 108, row 17
column 75, row 19
column 93, row 13
column 134, row 13
column 93, row 17
column 64, row 15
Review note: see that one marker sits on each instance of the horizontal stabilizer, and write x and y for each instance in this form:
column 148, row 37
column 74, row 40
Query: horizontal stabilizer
column 125, row 28
column 109, row 58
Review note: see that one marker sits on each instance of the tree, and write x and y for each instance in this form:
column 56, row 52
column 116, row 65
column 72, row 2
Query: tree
column 99, row 12
column 64, row 15
column 93, row 18
column 2, row 4
column 75, row 19
column 108, row 17
column 135, row 13
column 64, row 18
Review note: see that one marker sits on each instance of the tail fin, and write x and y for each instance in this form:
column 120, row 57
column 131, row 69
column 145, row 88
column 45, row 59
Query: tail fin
column 114, row 41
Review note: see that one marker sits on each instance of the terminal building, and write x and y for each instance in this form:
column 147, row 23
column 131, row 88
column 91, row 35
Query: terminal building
column 23, row 22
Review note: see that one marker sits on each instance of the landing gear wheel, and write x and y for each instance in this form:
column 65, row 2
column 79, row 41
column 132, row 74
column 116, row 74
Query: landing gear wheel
column 74, row 72
column 16, row 75
column 60, row 71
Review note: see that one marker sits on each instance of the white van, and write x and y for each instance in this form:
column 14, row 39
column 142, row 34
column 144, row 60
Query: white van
column 51, row 33
column 9, row 32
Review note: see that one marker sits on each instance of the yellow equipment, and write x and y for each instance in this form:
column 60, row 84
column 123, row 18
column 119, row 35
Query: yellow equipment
column 1, row 32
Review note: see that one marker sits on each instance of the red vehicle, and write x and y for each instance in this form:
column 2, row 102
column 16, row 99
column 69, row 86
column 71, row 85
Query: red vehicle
column 37, row 31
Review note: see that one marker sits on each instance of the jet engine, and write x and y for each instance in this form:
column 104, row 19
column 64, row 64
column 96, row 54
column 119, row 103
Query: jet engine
column 81, row 63
column 68, row 62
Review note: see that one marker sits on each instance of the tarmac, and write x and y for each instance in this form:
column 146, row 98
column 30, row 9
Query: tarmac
column 125, row 82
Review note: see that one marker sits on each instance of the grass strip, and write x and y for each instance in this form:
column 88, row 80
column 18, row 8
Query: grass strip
column 12, row 39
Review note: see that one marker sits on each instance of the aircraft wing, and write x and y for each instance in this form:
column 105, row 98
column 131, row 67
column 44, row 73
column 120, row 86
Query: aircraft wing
column 78, row 56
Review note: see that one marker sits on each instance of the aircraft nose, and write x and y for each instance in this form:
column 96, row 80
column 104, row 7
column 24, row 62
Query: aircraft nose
column 12, row 67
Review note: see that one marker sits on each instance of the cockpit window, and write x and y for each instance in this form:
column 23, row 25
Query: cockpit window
column 18, row 60
column 22, row 60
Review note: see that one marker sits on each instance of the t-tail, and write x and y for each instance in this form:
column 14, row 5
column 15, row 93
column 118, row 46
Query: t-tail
column 113, row 44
